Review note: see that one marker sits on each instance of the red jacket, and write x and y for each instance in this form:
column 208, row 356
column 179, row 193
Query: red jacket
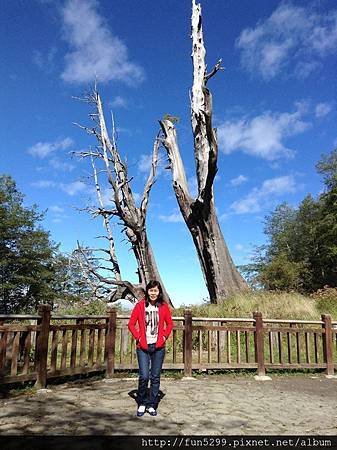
column 138, row 315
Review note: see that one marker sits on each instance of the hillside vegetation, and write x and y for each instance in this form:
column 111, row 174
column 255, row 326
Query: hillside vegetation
column 272, row 305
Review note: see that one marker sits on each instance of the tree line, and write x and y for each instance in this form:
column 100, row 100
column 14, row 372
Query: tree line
column 301, row 249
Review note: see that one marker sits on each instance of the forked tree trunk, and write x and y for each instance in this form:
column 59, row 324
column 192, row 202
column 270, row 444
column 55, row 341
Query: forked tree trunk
column 132, row 217
column 221, row 276
column 147, row 266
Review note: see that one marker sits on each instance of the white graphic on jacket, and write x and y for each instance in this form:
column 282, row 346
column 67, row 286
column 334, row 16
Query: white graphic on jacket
column 151, row 321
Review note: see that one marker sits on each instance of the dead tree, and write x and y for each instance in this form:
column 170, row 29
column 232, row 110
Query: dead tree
column 132, row 218
column 221, row 276
column 108, row 288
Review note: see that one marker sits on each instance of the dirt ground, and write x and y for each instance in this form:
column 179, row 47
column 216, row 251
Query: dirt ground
column 210, row 405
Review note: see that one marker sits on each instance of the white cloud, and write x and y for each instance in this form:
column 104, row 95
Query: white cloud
column 223, row 217
column 45, row 62
column 60, row 165
column 261, row 197
column 43, row 184
column 304, row 69
column 145, row 162
column 239, row 247
column 73, row 188
column 123, row 130
column 322, row 109
column 56, row 209
column 107, row 196
column 43, row 149
column 119, row 102
column 263, row 135
column 292, row 37
column 95, row 51
column 238, row 180
column 175, row 217
column 58, row 213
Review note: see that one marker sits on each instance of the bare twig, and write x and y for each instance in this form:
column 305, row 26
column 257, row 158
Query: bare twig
column 215, row 69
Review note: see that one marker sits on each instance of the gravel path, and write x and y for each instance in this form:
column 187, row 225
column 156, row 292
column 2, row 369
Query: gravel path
column 211, row 405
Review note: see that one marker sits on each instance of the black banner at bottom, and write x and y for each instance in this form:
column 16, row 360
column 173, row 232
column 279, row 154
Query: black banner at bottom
column 10, row 442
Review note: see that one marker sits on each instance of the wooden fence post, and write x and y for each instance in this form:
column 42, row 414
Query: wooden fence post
column 111, row 343
column 188, row 343
column 327, row 344
column 3, row 345
column 259, row 343
column 41, row 353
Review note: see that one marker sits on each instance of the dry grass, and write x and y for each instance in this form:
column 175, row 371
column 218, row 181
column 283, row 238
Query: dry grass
column 272, row 305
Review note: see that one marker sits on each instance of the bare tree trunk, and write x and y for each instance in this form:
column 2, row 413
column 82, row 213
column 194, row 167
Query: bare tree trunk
column 147, row 267
column 132, row 217
column 104, row 287
column 221, row 276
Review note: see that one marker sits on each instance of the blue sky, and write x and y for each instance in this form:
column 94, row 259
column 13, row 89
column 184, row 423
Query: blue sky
column 274, row 107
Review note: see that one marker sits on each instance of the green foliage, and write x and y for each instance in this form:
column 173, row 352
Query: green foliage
column 173, row 119
column 282, row 274
column 301, row 253
column 327, row 166
column 27, row 255
column 32, row 270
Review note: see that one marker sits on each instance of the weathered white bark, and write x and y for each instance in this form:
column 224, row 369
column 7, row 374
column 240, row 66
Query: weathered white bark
column 220, row 273
column 106, row 223
column 132, row 217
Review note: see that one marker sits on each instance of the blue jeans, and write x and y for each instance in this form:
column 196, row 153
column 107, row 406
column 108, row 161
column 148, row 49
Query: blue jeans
column 154, row 357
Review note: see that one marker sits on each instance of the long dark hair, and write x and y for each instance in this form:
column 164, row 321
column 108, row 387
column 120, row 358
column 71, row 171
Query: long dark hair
column 152, row 284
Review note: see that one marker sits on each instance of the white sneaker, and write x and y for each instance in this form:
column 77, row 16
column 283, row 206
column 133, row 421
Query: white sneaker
column 141, row 410
column 152, row 411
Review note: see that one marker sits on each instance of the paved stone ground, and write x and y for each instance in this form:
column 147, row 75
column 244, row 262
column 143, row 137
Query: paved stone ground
column 211, row 405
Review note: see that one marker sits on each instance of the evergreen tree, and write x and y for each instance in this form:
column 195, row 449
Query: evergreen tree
column 27, row 255
column 301, row 249
column 326, row 228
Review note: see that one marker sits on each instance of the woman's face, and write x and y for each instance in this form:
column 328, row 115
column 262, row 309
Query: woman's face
column 153, row 293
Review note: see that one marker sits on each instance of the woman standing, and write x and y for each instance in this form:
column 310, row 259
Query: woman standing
column 151, row 313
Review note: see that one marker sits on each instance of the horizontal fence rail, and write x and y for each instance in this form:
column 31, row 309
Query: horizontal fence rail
column 43, row 346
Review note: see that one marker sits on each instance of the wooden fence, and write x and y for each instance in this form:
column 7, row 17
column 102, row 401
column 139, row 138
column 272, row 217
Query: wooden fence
column 57, row 345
